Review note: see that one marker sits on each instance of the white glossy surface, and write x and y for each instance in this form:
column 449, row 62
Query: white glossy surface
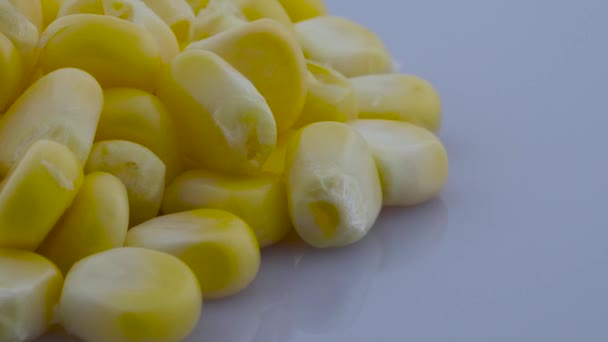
column 515, row 249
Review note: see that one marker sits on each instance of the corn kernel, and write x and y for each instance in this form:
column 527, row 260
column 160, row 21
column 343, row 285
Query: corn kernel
column 140, row 170
column 31, row 9
column 50, row 8
column 11, row 72
column 140, row 117
column 97, row 221
column 412, row 162
column 274, row 64
column 218, row 16
column 133, row 11
column 299, row 10
column 219, row 247
column 45, row 112
column 343, row 45
column 333, row 185
column 130, row 294
column 330, row 97
column 116, row 52
column 258, row 9
column 177, row 14
column 22, row 32
column 30, row 289
column 224, row 122
column 44, row 182
column 275, row 164
column 198, row 5
column 398, row 97
column 260, row 201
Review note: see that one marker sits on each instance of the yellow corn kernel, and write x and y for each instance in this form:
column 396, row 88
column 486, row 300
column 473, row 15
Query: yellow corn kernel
column 177, row 14
column 45, row 112
column 133, row 11
column 398, row 97
column 50, row 8
column 36, row 192
column 299, row 10
column 198, row 5
column 258, row 9
column 343, row 45
column 333, row 185
column 11, row 72
column 116, row 52
column 97, row 221
column 31, row 9
column 140, row 117
column 224, row 122
column 22, row 32
column 330, row 97
column 140, row 170
column 218, row 16
column 31, row 286
column 275, row 164
column 412, row 162
column 219, row 247
column 274, row 63
column 260, row 201
column 130, row 294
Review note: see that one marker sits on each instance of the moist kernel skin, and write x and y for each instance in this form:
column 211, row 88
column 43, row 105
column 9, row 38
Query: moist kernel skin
column 244, row 196
column 411, row 160
column 333, row 185
column 219, row 247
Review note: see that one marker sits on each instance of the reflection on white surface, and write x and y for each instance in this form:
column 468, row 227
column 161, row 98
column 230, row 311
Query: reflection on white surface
column 409, row 234
column 329, row 286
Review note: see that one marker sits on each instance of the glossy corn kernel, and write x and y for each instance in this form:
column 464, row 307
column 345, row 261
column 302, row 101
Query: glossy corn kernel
column 275, row 164
column 97, row 221
column 21, row 31
column 140, row 170
column 36, row 192
column 224, row 122
column 299, row 10
column 130, row 294
column 50, row 8
column 219, row 247
column 398, row 97
column 343, row 45
column 116, row 52
column 218, row 16
column 177, row 14
column 140, row 117
column 333, row 185
column 260, row 201
column 44, row 111
column 134, row 11
column 31, row 9
column 258, row 9
column 11, row 73
column 412, row 162
column 30, row 289
column 198, row 5
column 274, row 64
column 330, row 97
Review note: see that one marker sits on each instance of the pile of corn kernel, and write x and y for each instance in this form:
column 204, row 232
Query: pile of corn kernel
column 150, row 148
